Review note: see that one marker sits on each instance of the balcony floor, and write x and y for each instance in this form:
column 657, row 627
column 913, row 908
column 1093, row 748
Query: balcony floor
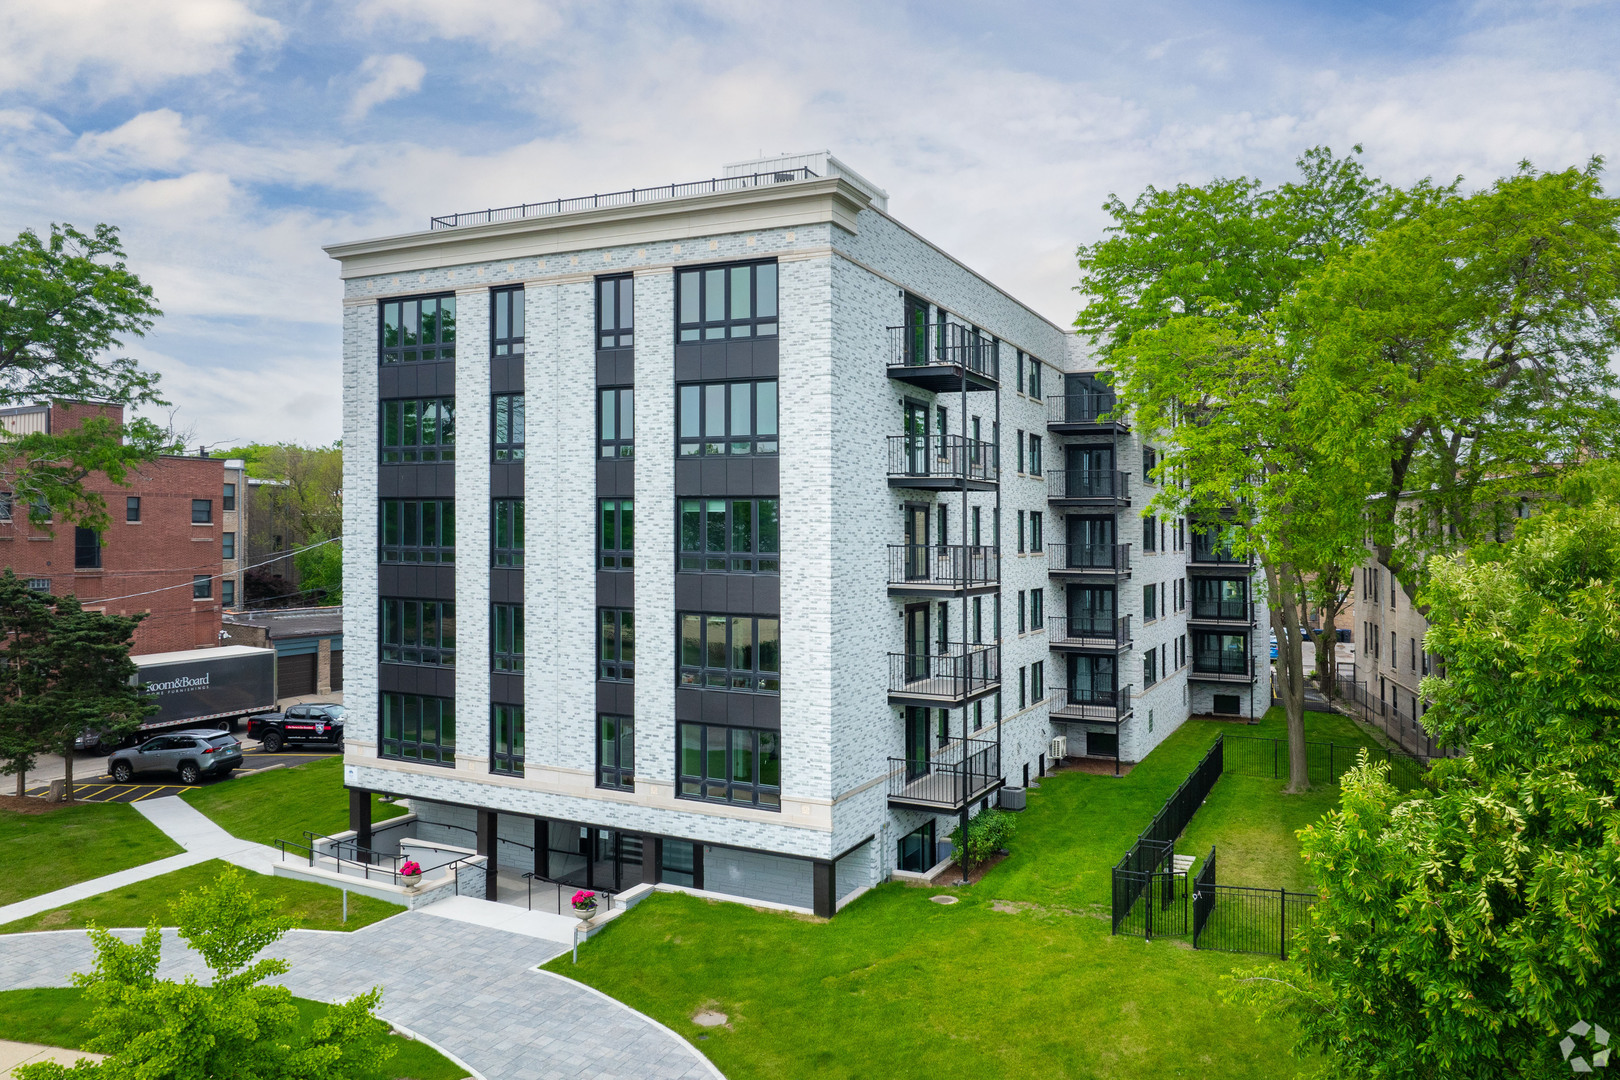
column 1219, row 677
column 939, row 378
column 940, row 792
column 942, row 693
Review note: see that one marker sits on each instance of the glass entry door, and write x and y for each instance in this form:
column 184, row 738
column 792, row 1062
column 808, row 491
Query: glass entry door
column 917, row 543
column 916, row 438
column 916, row 642
column 916, row 741
column 1091, row 611
column 1092, row 678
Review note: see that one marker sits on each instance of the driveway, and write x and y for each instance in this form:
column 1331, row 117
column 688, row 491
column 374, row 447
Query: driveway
column 471, row 990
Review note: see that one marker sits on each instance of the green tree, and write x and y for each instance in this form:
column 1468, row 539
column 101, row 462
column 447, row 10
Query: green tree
column 320, row 569
column 236, row 1027
column 1461, row 934
column 302, row 505
column 27, row 617
column 65, row 300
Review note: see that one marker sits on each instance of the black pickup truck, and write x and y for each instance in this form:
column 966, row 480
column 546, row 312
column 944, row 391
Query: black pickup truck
column 299, row 723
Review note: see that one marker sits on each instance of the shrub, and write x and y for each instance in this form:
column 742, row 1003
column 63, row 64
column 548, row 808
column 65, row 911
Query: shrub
column 991, row 831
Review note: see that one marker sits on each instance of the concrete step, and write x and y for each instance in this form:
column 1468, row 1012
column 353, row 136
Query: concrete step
column 1183, row 863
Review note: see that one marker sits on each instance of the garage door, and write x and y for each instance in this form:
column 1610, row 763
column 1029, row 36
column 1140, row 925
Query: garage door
column 295, row 675
column 337, row 670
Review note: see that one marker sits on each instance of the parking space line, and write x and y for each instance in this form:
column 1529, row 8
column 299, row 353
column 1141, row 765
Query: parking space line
column 81, row 793
column 151, row 793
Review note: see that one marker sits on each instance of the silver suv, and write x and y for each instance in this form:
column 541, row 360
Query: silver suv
column 192, row 754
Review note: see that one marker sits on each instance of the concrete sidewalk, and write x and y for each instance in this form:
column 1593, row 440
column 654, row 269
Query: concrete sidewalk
column 182, row 823
column 13, row 1054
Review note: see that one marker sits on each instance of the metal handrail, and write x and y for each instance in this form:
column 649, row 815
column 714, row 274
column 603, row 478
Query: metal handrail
column 953, row 775
column 622, row 198
column 1101, row 484
column 1103, row 706
column 943, row 457
column 937, row 344
column 1115, row 557
column 961, row 671
column 1201, row 664
column 946, row 565
column 1106, row 632
column 530, row 878
column 1083, row 407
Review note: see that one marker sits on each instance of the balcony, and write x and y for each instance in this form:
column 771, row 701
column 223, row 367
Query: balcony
column 943, row 569
column 943, row 357
column 962, row 673
column 1088, row 560
column 942, row 463
column 1210, row 557
column 1222, row 614
column 1083, row 413
column 1086, row 487
column 958, row 775
column 1084, row 706
column 1222, row 667
column 1092, row 634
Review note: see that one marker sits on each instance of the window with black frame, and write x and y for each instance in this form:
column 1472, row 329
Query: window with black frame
column 1035, row 378
column 506, row 322
column 1220, row 654
column 719, row 302
column 202, row 511
column 86, row 549
column 421, row 632
column 506, row 532
column 417, row 728
column 506, row 431
column 730, row 652
column 202, row 587
column 616, row 752
column 418, row 430
column 1220, row 598
column 419, row 329
column 506, row 739
column 615, row 312
column 730, row 765
column 740, row 536
column 617, row 534
column 616, row 422
column 417, row 530
column 727, row 418
column 228, row 498
column 506, row 637
column 616, row 644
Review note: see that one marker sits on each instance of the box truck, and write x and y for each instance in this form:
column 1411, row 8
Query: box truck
column 201, row 688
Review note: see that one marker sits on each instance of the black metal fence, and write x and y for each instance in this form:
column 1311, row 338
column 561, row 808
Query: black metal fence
column 1148, row 864
column 1404, row 729
column 1242, row 918
column 1325, row 762
column 927, row 457
column 1088, row 485
column 944, row 566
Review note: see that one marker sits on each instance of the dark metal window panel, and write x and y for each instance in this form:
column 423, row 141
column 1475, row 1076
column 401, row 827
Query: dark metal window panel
column 506, row 739
column 735, row 418
column 202, row 511
column 615, row 312
column 737, row 300
column 1220, row 653
column 616, row 644
column 418, row 329
column 616, row 752
column 730, row 535
column 506, row 637
column 730, row 652
column 616, row 534
column 417, row 530
column 506, row 532
column 1220, row 598
column 506, row 322
column 1037, row 531
column 506, row 427
column 418, row 632
column 86, row 549
column 202, row 587
column 729, row 764
column 418, row 429
column 616, row 422
column 413, row 727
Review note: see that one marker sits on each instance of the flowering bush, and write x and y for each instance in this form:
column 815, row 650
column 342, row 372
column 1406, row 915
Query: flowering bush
column 584, row 900
column 410, row 868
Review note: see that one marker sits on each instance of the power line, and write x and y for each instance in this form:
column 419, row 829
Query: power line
column 217, row 577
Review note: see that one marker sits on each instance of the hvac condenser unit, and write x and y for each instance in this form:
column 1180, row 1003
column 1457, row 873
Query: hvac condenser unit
column 1060, row 747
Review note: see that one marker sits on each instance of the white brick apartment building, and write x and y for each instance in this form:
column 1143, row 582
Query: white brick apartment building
column 732, row 535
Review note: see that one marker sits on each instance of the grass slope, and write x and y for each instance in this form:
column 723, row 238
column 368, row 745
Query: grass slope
column 280, row 804
column 316, row 907
column 72, row 844
column 57, row 1017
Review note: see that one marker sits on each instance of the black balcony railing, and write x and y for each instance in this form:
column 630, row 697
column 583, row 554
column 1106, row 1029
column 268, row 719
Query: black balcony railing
column 1083, row 407
column 1101, row 558
column 951, row 778
column 1086, row 704
column 962, row 672
column 1090, row 632
column 622, row 198
column 944, row 345
column 1223, row 611
column 1222, row 665
column 933, row 458
column 1207, row 552
column 942, row 567
column 1092, row 485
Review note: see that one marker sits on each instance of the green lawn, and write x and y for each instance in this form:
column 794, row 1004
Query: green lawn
column 73, row 844
column 316, row 907
column 280, row 804
column 56, row 1017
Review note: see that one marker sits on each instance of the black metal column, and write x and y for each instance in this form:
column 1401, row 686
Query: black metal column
column 487, row 820
column 360, row 817
column 825, row 888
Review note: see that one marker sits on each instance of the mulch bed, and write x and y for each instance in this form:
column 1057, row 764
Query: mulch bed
column 27, row 805
column 1094, row 766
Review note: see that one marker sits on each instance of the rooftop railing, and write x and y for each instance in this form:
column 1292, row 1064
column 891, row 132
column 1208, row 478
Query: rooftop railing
column 622, row 198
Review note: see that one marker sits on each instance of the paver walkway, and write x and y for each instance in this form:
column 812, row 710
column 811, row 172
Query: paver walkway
column 471, row 990
column 13, row 1054
column 186, row 826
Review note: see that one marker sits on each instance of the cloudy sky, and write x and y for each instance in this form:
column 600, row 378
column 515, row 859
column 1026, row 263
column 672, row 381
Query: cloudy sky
column 230, row 139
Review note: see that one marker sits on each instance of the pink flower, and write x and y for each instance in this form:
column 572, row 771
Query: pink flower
column 410, row 868
column 584, row 897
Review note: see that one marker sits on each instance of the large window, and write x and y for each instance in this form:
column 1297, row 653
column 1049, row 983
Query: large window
column 506, row 322
column 736, row 535
column 202, row 587
column 202, row 511
column 616, row 752
column 227, row 545
column 732, row 765
column 422, row 329
column 727, row 301
column 616, row 422
column 418, row 632
column 731, row 652
column 1034, row 455
column 616, row 644
column 507, row 429
column 1035, row 378
column 506, row 532
column 417, row 728
column 419, row 429
column 615, row 312
column 506, row 738
column 728, row 418
column 86, row 549
column 132, row 508
column 617, row 536
column 228, row 499
column 417, row 530
column 506, row 637
column 1220, row 654
column 1220, row 598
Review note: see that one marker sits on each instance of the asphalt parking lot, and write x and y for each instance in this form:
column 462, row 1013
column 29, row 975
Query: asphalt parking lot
column 101, row 788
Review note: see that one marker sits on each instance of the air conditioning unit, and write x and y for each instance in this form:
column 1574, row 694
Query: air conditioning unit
column 1060, row 747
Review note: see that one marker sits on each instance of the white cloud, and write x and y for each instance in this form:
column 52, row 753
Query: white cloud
column 151, row 140
column 386, row 78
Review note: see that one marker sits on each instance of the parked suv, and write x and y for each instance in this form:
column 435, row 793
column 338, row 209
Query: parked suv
column 300, row 723
column 192, row 754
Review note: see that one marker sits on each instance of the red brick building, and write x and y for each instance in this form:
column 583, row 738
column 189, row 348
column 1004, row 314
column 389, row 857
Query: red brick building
column 160, row 554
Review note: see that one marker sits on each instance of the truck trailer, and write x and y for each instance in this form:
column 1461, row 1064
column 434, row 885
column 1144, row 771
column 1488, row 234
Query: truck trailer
column 204, row 688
